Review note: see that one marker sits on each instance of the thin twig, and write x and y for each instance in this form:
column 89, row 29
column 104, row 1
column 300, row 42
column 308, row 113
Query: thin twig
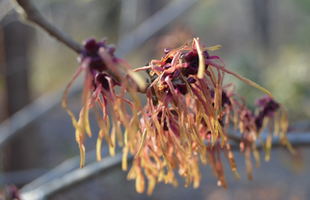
column 29, row 11
column 296, row 139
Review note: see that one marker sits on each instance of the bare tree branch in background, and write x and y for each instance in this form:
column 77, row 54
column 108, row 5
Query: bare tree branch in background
column 5, row 8
column 67, row 179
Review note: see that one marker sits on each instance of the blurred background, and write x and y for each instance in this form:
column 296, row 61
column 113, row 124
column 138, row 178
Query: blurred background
column 263, row 40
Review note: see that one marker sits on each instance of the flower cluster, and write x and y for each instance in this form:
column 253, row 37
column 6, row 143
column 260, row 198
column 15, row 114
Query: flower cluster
column 99, row 64
column 186, row 119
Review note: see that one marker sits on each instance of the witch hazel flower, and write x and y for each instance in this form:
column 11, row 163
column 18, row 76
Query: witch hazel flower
column 181, row 129
column 187, row 118
column 275, row 115
column 101, row 74
column 158, row 155
column 251, row 126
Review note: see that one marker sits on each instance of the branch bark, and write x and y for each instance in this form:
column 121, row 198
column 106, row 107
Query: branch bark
column 29, row 11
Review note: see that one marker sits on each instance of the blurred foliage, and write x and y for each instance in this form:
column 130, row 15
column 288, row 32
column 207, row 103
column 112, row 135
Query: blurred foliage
column 288, row 78
column 303, row 4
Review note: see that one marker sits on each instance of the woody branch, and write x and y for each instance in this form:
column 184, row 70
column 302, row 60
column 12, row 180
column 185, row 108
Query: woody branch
column 29, row 12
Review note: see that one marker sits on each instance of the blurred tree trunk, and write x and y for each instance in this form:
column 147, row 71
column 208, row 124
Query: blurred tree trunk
column 20, row 152
column 16, row 37
column 261, row 21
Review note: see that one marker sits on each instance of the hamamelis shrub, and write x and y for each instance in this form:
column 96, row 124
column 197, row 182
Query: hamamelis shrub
column 185, row 120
